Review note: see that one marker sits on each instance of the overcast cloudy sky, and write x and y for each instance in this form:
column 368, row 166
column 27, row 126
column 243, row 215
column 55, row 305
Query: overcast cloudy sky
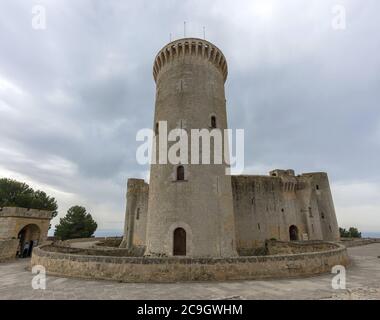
column 72, row 96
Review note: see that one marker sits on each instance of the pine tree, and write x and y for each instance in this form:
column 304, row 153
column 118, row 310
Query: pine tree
column 18, row 194
column 76, row 224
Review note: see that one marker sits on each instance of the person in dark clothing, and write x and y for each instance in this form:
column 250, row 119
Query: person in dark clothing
column 25, row 251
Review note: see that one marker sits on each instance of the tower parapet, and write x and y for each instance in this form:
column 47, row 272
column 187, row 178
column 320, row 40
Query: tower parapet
column 190, row 47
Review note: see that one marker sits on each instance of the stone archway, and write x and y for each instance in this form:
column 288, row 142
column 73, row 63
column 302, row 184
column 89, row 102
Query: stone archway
column 29, row 237
column 293, row 233
column 179, row 242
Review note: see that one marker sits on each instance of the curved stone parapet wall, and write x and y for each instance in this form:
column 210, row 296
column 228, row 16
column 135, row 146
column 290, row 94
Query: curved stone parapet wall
column 144, row 269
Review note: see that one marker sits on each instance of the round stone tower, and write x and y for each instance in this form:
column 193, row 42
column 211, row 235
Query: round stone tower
column 190, row 209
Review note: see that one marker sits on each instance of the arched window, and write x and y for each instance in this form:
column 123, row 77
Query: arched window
column 180, row 173
column 213, row 122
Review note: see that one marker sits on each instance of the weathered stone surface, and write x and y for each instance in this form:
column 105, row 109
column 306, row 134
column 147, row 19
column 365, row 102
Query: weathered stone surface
column 266, row 206
column 8, row 249
column 363, row 282
column 190, row 76
column 220, row 214
column 171, row 269
column 14, row 219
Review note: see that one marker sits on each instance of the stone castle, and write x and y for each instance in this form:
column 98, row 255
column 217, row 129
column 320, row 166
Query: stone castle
column 197, row 210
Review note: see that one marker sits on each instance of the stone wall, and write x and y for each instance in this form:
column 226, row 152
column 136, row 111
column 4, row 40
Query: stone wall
column 25, row 213
column 136, row 214
column 8, row 249
column 263, row 211
column 275, row 247
column 281, row 247
column 190, row 76
column 96, row 251
column 349, row 242
column 143, row 269
column 323, row 205
column 265, row 207
column 14, row 219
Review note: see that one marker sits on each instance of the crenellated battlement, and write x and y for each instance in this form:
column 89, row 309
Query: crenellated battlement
column 190, row 47
column 137, row 186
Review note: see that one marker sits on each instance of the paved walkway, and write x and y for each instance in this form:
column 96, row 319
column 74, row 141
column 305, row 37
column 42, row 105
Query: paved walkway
column 363, row 282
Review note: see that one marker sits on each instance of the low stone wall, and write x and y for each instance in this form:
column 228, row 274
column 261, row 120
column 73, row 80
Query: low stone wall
column 348, row 242
column 110, row 242
column 83, row 240
column 275, row 247
column 94, row 251
column 146, row 269
column 282, row 247
column 8, row 249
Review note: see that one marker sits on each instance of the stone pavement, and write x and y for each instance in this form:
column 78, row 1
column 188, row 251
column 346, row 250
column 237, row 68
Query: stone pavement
column 363, row 282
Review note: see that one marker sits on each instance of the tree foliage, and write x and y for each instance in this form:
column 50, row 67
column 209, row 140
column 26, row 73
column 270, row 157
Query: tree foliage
column 350, row 233
column 76, row 224
column 18, row 194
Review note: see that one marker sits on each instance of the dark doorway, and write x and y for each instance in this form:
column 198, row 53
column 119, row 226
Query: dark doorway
column 293, row 233
column 179, row 242
column 213, row 122
column 28, row 239
column 180, row 173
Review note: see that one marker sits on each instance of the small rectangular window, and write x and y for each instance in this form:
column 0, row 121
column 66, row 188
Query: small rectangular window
column 213, row 122
column 180, row 173
column 156, row 129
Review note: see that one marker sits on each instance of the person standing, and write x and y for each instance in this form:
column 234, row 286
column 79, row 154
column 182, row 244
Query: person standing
column 25, row 250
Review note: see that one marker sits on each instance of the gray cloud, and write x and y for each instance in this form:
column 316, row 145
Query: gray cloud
column 73, row 96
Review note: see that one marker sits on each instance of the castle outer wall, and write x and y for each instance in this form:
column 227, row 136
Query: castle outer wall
column 265, row 207
column 281, row 206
